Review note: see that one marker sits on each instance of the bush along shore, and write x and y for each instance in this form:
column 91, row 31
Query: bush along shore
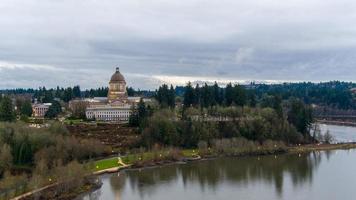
column 140, row 158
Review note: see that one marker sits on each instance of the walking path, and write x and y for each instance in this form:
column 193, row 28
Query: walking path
column 33, row 192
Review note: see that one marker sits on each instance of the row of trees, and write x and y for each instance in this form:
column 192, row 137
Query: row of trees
column 204, row 96
column 7, row 111
column 333, row 94
column 212, row 95
column 48, row 95
column 166, row 96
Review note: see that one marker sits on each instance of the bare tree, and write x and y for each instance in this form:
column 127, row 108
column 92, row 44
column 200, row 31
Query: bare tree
column 6, row 158
column 328, row 138
column 316, row 132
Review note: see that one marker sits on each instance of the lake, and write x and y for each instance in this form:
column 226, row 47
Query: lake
column 326, row 175
column 340, row 133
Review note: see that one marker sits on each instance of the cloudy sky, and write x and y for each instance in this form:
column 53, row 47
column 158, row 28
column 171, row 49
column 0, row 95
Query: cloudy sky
column 68, row 42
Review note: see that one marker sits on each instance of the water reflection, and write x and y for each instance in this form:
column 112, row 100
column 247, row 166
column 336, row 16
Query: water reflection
column 209, row 175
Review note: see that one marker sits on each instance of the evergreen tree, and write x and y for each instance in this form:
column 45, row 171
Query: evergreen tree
column 130, row 91
column 54, row 110
column 189, row 96
column 207, row 97
column 162, row 95
column 300, row 115
column 76, row 92
column 133, row 119
column 57, row 93
column 68, row 94
column 7, row 110
column 138, row 116
column 218, row 98
column 142, row 112
column 26, row 108
column 239, row 95
column 197, row 95
column 229, row 94
column 171, row 97
column 252, row 99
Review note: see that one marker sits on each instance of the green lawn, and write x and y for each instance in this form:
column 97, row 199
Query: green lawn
column 132, row 158
column 190, row 152
column 106, row 164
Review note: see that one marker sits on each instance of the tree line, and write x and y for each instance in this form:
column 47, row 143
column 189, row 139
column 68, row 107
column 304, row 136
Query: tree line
column 335, row 94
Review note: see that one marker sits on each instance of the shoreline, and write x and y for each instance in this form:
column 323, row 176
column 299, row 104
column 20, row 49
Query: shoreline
column 336, row 122
column 151, row 164
column 290, row 150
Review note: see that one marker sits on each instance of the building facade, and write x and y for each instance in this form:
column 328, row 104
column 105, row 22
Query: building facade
column 40, row 110
column 109, row 113
column 116, row 107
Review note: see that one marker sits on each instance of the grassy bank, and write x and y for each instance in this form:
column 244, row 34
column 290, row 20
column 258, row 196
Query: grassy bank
column 223, row 147
column 106, row 164
column 172, row 155
column 320, row 147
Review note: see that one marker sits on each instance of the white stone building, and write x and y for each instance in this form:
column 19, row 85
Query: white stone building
column 40, row 110
column 116, row 107
column 109, row 112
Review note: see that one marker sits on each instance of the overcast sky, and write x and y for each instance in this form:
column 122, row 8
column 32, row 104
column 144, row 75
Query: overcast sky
column 69, row 42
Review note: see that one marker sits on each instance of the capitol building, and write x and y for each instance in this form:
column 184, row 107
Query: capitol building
column 117, row 106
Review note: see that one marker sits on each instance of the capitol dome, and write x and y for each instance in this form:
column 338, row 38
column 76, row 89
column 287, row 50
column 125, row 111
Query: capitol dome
column 117, row 77
column 117, row 88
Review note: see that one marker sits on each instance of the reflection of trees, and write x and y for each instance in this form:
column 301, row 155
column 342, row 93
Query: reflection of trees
column 240, row 171
column 145, row 181
column 117, row 183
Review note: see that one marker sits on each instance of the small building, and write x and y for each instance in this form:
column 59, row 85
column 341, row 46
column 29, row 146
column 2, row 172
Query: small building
column 40, row 109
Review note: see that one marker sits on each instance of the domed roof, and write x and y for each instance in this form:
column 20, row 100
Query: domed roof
column 117, row 77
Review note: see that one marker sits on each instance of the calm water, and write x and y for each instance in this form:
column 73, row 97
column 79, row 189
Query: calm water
column 340, row 133
column 320, row 175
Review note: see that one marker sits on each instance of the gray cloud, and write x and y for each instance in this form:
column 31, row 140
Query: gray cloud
column 47, row 42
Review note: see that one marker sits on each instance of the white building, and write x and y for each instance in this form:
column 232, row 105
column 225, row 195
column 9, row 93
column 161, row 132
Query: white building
column 116, row 107
column 109, row 112
column 40, row 110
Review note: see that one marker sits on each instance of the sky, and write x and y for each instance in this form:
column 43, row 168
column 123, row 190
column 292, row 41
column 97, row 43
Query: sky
column 81, row 42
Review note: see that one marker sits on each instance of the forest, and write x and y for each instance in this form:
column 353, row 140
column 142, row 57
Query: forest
column 210, row 112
